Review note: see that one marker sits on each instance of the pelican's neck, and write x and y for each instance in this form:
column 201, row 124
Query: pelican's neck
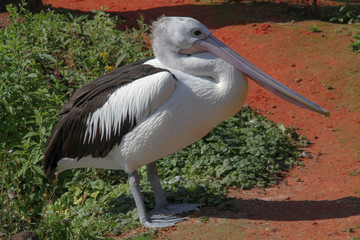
column 226, row 86
column 232, row 87
column 199, row 65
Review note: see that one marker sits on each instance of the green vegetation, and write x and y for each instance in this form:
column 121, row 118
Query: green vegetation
column 314, row 29
column 329, row 87
column 44, row 58
column 356, row 44
column 355, row 173
column 347, row 14
column 353, row 230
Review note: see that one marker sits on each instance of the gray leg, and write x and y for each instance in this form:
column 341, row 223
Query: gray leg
column 154, row 221
column 153, row 177
column 162, row 205
column 134, row 181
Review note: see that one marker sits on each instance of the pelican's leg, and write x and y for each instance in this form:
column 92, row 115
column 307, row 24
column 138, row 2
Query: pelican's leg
column 162, row 205
column 154, row 221
column 153, row 176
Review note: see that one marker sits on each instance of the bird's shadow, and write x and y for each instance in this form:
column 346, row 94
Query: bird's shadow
column 287, row 210
column 257, row 209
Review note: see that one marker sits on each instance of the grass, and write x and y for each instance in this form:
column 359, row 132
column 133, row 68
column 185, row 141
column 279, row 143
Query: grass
column 44, row 58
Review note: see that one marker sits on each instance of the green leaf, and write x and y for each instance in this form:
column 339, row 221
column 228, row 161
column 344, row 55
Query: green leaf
column 48, row 57
column 33, row 75
column 39, row 171
column 95, row 194
column 282, row 127
column 120, row 59
column 77, row 201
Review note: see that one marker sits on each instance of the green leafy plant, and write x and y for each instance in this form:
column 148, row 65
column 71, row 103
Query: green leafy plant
column 329, row 87
column 356, row 44
column 245, row 151
column 314, row 29
column 347, row 14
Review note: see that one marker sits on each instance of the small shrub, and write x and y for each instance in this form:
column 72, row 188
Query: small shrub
column 347, row 14
column 314, row 29
column 356, row 44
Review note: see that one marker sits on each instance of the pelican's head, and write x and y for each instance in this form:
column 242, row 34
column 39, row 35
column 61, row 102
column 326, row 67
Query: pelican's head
column 176, row 37
column 173, row 34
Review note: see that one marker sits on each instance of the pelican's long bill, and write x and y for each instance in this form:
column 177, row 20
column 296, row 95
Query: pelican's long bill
column 215, row 46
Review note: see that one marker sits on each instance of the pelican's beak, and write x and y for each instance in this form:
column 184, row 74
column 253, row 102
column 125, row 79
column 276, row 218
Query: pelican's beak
column 215, row 46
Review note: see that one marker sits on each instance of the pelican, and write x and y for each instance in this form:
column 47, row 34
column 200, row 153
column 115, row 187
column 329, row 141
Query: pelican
column 149, row 109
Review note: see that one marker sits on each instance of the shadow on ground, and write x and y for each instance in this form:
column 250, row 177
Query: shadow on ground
column 257, row 209
column 288, row 210
column 215, row 16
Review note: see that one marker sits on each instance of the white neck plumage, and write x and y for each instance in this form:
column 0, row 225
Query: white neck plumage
column 225, row 86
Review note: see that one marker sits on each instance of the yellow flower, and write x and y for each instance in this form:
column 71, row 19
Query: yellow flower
column 104, row 55
column 109, row 68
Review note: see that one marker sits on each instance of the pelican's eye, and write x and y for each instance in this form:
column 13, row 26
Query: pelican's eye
column 197, row 33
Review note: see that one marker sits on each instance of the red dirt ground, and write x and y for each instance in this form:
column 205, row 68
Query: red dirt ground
column 319, row 200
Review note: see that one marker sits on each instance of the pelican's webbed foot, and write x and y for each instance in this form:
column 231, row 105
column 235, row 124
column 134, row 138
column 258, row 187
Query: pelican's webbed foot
column 164, row 216
column 161, row 221
column 172, row 209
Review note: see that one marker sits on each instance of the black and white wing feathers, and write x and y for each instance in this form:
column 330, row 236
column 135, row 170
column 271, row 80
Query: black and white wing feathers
column 100, row 113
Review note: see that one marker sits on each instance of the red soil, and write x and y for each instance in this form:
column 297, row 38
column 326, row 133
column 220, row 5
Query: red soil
column 319, row 200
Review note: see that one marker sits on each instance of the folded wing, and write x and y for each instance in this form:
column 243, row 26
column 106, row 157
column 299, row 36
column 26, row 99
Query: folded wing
column 99, row 114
